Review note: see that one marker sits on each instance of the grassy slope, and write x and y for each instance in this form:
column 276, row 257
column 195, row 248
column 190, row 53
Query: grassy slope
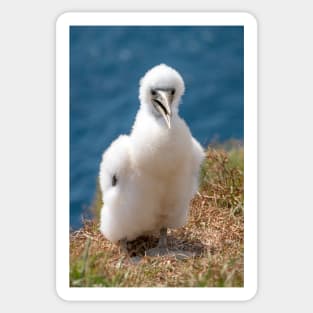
column 214, row 234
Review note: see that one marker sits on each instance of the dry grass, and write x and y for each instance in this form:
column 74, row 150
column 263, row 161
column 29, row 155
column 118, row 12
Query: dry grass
column 214, row 234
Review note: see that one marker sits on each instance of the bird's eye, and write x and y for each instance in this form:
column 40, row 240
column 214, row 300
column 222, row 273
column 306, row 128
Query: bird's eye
column 114, row 180
column 173, row 92
column 153, row 92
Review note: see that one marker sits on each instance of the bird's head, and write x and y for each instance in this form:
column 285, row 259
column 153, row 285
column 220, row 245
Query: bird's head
column 160, row 91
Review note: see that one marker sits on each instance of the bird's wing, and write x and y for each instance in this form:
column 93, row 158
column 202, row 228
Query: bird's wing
column 198, row 157
column 115, row 163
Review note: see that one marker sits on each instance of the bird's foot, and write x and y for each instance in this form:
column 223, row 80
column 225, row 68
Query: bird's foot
column 178, row 254
column 132, row 259
column 135, row 259
column 183, row 254
column 158, row 251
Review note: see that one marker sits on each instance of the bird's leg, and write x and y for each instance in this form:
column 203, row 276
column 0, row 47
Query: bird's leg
column 162, row 248
column 123, row 245
column 124, row 249
column 162, row 245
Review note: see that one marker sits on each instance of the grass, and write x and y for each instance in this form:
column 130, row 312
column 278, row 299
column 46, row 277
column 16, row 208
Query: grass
column 214, row 233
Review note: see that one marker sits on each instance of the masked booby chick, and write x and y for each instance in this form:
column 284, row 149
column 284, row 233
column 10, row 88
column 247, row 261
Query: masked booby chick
column 149, row 177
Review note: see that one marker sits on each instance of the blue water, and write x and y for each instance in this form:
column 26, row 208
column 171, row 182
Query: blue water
column 106, row 64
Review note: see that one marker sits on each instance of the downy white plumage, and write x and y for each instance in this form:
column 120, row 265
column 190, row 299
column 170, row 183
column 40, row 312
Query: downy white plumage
column 149, row 177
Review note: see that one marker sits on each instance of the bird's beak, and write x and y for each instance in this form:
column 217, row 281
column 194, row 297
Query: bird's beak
column 162, row 104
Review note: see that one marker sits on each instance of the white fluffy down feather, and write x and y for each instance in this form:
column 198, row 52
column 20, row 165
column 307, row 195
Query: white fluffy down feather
column 149, row 177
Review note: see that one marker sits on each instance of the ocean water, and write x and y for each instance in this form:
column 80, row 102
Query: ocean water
column 106, row 64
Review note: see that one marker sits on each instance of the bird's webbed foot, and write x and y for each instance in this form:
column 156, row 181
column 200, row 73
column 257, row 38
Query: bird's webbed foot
column 158, row 251
column 124, row 249
column 163, row 250
column 177, row 253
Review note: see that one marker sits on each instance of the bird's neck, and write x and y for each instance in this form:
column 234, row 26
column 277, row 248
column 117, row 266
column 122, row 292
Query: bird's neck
column 149, row 122
column 154, row 144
